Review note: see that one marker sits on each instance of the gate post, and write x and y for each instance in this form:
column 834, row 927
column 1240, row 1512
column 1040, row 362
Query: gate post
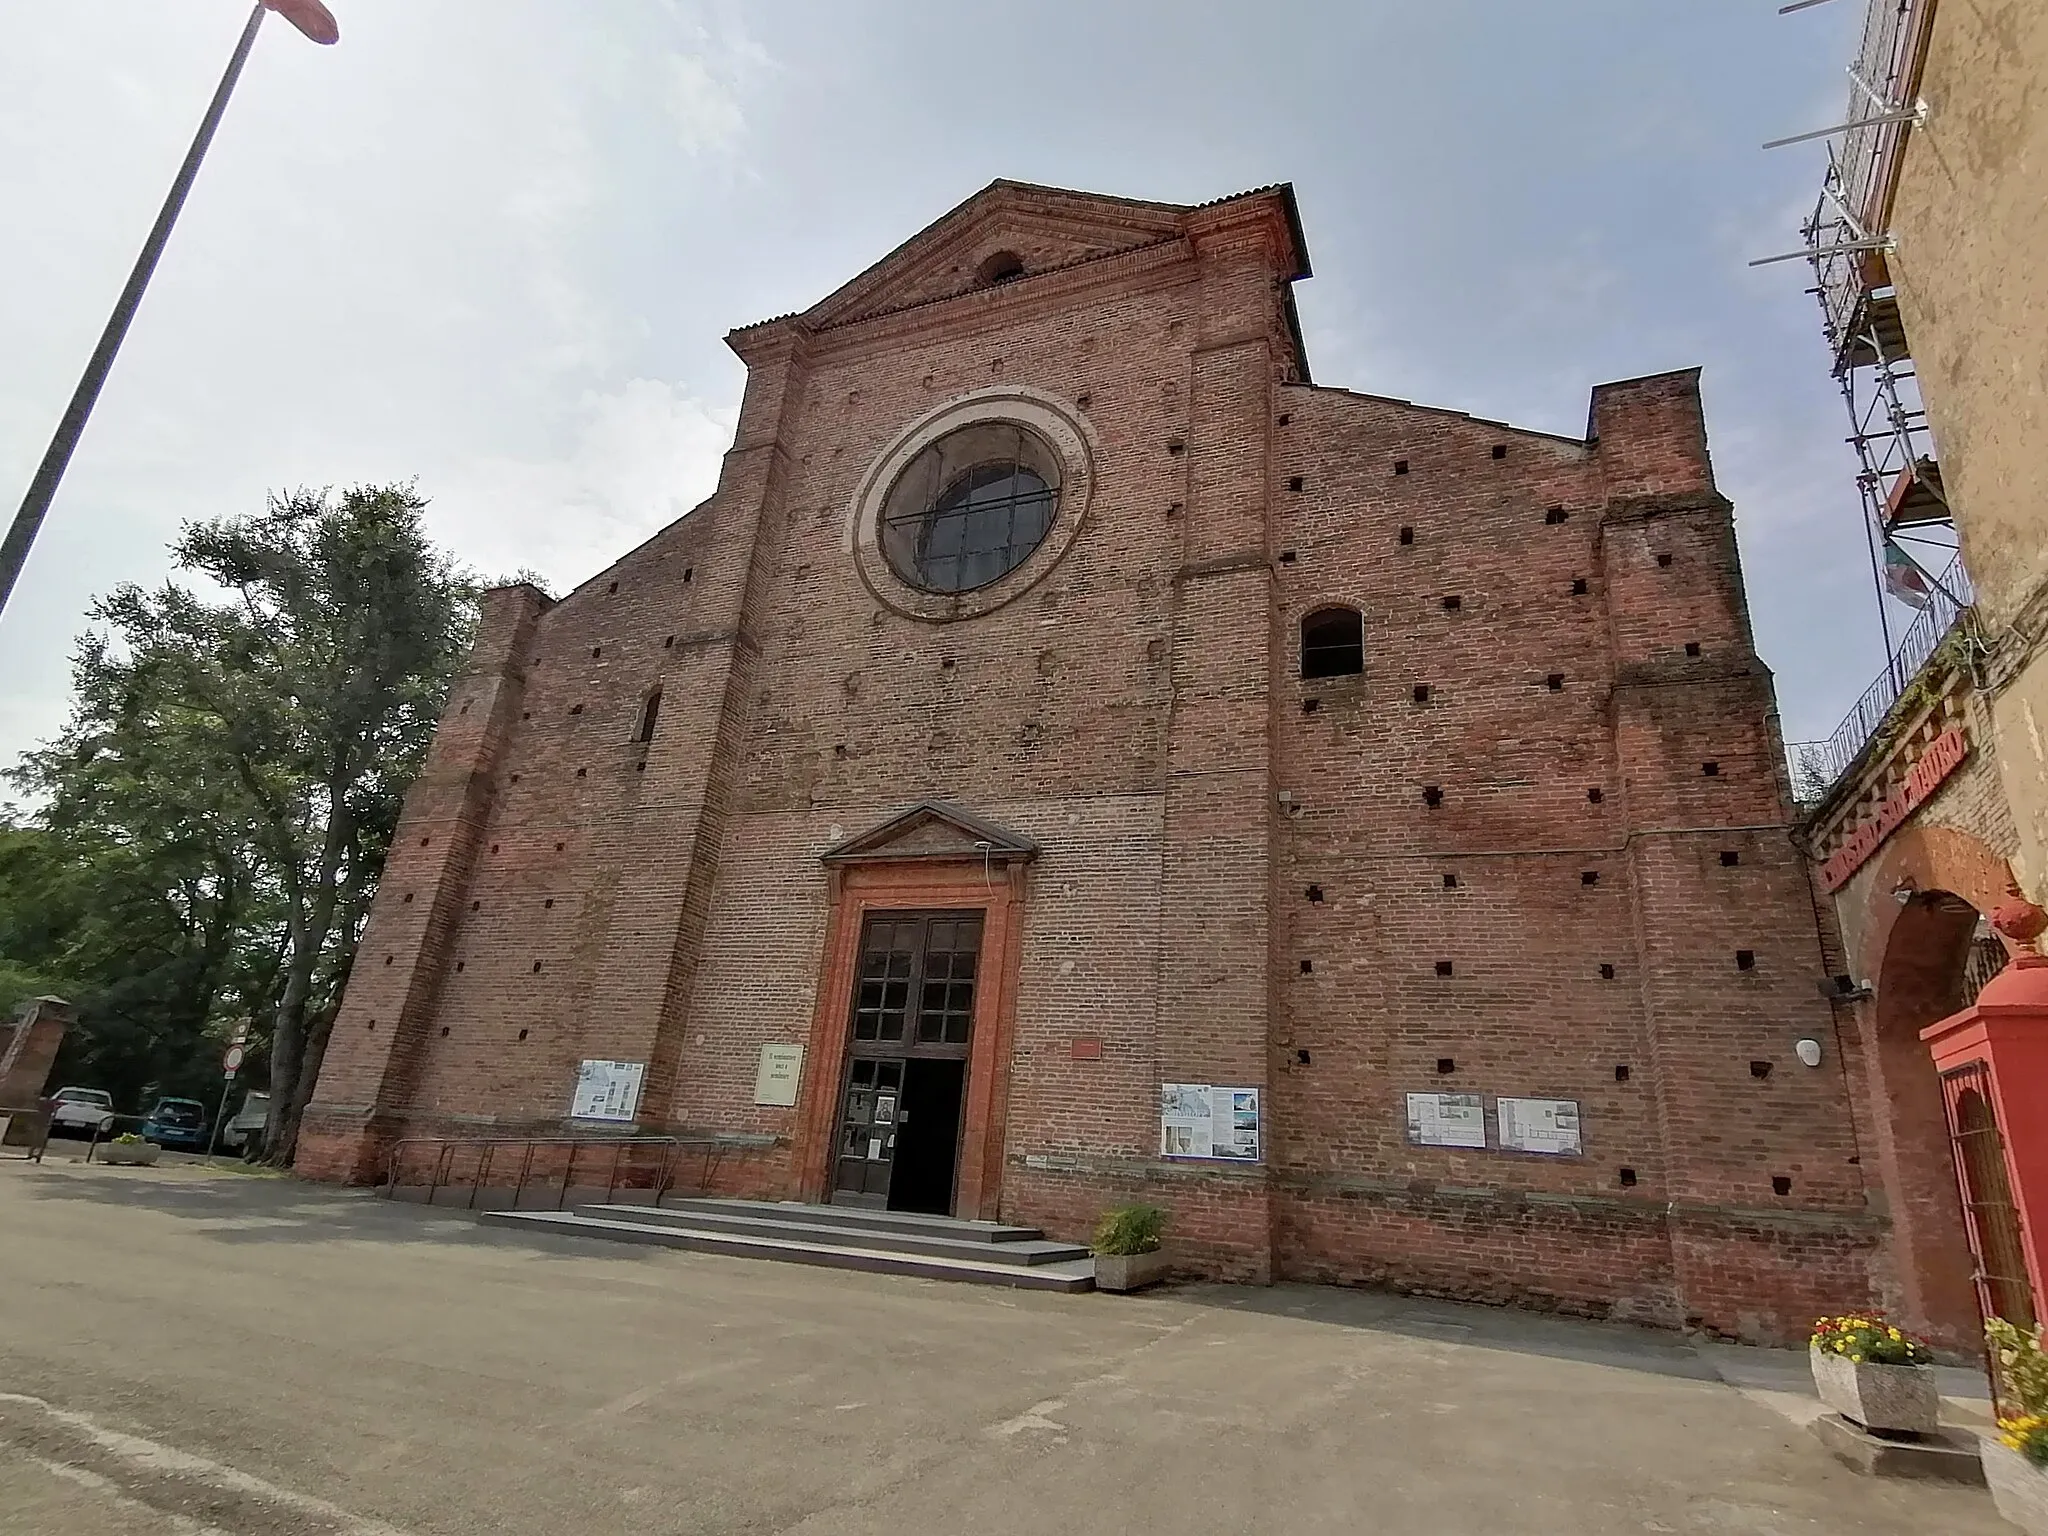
column 1993, row 1060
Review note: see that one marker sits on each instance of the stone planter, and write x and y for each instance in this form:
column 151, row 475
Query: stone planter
column 1129, row 1271
column 128, row 1154
column 2018, row 1487
column 1889, row 1399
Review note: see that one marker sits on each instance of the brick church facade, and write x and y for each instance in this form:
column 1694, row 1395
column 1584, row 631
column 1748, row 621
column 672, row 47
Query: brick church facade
column 1063, row 707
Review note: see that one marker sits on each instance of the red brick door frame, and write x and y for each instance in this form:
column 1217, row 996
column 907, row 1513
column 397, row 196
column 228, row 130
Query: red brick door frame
column 939, row 883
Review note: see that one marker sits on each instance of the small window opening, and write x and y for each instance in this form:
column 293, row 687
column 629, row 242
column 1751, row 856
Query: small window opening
column 1628, row 1177
column 1554, row 682
column 1407, row 534
column 1759, row 1069
column 1589, row 877
column 1692, row 647
column 522, row 1034
column 408, row 898
column 1301, row 1057
column 613, row 587
column 1664, row 559
column 1453, row 604
column 1315, row 894
column 1500, row 450
column 1400, row 466
column 1780, row 1185
column 1422, row 693
column 1450, row 882
column 1595, row 795
column 1443, row 967
column 688, row 572
column 1555, row 515
column 596, row 651
column 1287, row 557
column 1621, row 1071
column 649, row 712
column 444, row 1031
column 1310, row 706
column 1607, row 973
column 1285, row 418
column 575, row 709
column 536, row 967
column 1730, row 858
column 1333, row 643
column 1711, row 770
column 582, row 773
column 1002, row 267
column 669, row 644
column 1445, row 1066
column 1295, row 482
column 1308, row 967
column 476, row 906
column 1745, row 959
column 1432, row 796
column 549, row 902
column 1578, row 586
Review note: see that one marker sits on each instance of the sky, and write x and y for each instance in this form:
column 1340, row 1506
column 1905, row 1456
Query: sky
column 493, row 246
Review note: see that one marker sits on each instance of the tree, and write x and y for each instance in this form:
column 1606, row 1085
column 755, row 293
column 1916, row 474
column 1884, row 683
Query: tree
column 255, row 749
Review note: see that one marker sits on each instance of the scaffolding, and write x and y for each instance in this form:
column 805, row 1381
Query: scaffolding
column 1848, row 244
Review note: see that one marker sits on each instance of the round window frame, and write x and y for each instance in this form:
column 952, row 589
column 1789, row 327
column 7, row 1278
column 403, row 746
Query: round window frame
column 1057, row 424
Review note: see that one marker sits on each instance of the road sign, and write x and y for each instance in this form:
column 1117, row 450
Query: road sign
column 232, row 1062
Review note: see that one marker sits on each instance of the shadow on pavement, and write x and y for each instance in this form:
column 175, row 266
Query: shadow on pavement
column 235, row 1207
column 1626, row 1346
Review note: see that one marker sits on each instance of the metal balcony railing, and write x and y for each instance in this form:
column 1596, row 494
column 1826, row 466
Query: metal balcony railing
column 1816, row 765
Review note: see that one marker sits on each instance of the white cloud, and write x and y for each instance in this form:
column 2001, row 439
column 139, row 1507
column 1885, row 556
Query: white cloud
column 642, row 456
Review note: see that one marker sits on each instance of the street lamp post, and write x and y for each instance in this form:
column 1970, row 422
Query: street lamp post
column 310, row 17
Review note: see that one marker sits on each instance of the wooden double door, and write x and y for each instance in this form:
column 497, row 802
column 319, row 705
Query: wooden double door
column 909, row 1031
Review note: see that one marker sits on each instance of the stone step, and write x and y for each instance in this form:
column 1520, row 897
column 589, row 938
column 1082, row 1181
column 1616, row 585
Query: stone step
column 795, row 1222
column 912, row 1222
column 630, row 1226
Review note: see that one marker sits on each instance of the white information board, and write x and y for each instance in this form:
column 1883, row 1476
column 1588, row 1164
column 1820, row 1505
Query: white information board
column 1204, row 1120
column 1447, row 1120
column 1539, row 1125
column 775, row 1081
column 607, row 1090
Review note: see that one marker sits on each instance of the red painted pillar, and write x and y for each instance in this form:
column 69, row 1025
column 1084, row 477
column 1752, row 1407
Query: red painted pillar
column 1993, row 1060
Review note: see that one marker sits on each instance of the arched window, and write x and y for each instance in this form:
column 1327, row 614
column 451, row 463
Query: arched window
column 648, row 713
column 1332, row 643
column 1002, row 267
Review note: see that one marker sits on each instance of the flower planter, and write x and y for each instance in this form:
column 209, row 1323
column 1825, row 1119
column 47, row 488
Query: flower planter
column 2018, row 1487
column 129, row 1154
column 1129, row 1271
column 1889, row 1399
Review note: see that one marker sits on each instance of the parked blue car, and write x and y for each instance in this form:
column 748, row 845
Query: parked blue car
column 179, row 1123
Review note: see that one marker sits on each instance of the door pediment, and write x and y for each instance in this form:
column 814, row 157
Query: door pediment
column 932, row 830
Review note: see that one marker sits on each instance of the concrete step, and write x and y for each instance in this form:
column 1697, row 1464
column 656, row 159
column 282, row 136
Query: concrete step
column 912, row 1222
column 794, row 1222
column 630, row 1226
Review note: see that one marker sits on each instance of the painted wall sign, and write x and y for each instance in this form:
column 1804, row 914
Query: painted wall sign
column 1944, row 755
column 775, row 1081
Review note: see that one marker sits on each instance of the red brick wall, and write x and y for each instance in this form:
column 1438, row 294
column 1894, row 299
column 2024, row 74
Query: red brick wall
column 1139, row 713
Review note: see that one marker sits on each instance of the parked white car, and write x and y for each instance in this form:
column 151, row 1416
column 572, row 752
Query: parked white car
column 81, row 1111
column 244, row 1133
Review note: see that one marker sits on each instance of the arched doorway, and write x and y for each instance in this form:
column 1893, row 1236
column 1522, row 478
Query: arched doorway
column 1938, row 953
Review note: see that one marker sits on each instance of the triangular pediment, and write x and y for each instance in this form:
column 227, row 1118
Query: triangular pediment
column 932, row 829
column 1047, row 228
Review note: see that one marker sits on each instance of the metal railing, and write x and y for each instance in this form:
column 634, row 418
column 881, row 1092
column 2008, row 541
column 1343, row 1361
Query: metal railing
column 548, row 1166
column 1816, row 765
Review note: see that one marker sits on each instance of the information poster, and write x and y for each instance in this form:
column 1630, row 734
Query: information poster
column 1447, row 1120
column 607, row 1090
column 1203, row 1120
column 775, row 1081
column 1549, row 1126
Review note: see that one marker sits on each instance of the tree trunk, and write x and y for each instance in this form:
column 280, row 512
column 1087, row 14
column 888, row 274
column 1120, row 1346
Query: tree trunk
column 288, row 1043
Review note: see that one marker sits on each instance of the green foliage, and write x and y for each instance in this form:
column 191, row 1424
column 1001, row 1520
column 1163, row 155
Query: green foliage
column 127, row 1139
column 2021, row 1364
column 1127, row 1229
column 217, row 810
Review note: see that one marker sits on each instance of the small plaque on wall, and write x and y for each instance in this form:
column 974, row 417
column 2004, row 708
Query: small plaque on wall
column 608, row 1091
column 1549, row 1126
column 1447, row 1120
column 781, row 1069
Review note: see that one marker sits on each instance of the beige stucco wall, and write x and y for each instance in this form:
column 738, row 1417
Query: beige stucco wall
column 1971, row 267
